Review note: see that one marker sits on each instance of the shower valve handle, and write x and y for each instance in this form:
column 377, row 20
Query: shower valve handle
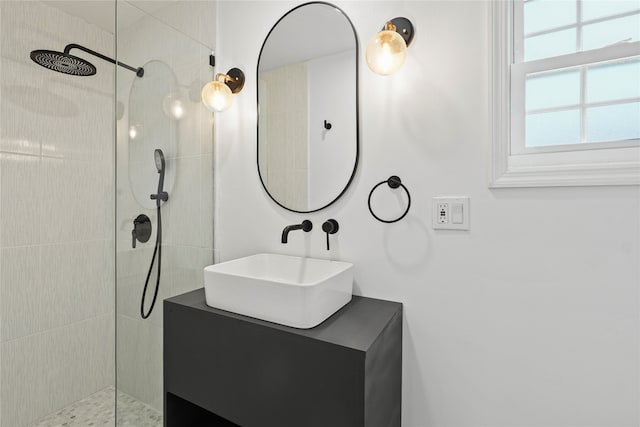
column 141, row 230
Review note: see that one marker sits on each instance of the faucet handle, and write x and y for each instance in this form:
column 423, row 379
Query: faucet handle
column 330, row 226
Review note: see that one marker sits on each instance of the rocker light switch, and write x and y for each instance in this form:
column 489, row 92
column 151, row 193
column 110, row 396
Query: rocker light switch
column 456, row 213
column 450, row 213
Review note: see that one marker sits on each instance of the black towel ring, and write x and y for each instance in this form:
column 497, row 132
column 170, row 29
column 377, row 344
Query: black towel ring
column 393, row 182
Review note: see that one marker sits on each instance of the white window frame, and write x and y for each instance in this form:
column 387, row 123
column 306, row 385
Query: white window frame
column 602, row 164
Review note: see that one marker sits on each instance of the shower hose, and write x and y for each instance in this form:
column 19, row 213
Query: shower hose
column 156, row 251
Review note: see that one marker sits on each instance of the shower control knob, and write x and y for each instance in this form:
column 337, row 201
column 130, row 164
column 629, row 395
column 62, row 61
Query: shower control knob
column 141, row 230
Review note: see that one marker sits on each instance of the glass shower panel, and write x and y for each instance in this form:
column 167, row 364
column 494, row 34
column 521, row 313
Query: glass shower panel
column 163, row 134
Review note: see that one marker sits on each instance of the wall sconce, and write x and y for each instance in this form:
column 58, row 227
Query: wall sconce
column 387, row 50
column 217, row 94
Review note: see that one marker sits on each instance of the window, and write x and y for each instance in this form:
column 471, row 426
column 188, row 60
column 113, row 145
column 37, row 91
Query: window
column 566, row 92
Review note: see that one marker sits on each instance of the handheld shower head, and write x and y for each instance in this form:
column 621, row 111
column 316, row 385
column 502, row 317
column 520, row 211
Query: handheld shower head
column 159, row 158
column 161, row 195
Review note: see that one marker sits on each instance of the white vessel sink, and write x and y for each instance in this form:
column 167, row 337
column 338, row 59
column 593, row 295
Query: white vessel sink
column 291, row 291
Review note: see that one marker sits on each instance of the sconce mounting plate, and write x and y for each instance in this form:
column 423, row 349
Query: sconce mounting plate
column 404, row 27
column 237, row 80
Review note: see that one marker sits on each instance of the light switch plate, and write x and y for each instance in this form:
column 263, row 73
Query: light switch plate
column 447, row 213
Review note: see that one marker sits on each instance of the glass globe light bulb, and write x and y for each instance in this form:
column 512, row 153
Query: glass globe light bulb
column 216, row 96
column 386, row 52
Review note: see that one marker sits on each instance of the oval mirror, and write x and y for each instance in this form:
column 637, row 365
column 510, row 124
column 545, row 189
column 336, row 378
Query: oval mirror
column 308, row 107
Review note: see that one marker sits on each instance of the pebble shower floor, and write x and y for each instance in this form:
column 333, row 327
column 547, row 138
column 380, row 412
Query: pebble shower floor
column 99, row 409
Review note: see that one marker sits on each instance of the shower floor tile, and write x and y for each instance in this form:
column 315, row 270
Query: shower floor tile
column 98, row 410
column 133, row 413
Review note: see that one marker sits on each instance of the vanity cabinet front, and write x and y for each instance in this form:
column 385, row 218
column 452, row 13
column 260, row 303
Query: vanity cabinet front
column 224, row 369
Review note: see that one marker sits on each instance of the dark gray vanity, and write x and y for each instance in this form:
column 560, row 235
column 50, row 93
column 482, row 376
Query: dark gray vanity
column 224, row 369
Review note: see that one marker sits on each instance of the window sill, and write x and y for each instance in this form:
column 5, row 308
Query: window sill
column 623, row 173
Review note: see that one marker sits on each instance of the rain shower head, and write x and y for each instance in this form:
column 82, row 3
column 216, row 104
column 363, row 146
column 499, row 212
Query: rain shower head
column 63, row 62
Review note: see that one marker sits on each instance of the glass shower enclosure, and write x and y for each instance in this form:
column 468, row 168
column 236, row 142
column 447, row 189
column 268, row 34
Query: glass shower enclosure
column 77, row 168
column 160, row 111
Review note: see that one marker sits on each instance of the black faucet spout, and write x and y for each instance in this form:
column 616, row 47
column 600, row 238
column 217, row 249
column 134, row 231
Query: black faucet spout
column 306, row 226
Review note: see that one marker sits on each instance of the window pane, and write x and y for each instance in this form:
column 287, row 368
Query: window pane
column 613, row 81
column 613, row 122
column 552, row 90
column 593, row 9
column 548, row 45
column 610, row 32
column 557, row 128
column 542, row 15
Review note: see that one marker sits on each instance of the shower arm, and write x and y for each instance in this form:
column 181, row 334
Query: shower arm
column 139, row 71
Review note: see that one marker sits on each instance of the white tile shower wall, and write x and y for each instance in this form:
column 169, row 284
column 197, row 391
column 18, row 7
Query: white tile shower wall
column 47, row 371
column 531, row 317
column 193, row 18
column 283, row 124
column 187, row 217
column 56, row 217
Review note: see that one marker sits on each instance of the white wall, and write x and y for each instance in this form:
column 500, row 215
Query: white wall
column 528, row 319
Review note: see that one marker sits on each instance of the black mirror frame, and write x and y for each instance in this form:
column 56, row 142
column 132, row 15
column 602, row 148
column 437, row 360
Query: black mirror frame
column 355, row 164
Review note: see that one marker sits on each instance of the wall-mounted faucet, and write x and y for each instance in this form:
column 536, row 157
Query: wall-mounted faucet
column 330, row 226
column 306, row 226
